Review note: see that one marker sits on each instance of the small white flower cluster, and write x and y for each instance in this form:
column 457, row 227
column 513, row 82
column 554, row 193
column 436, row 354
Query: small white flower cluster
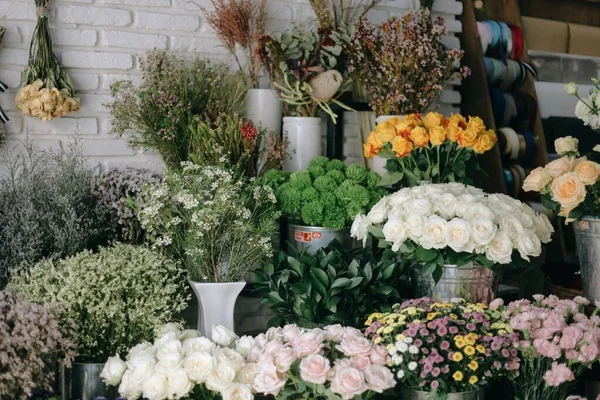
column 459, row 217
column 180, row 360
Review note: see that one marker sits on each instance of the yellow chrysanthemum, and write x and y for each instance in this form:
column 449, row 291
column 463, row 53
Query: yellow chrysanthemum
column 471, row 338
column 457, row 356
column 431, row 316
column 457, row 376
column 378, row 340
column 400, row 337
column 473, row 365
column 380, row 330
column 460, row 343
column 469, row 350
column 453, row 316
column 388, row 330
column 473, row 380
column 480, row 348
column 410, row 310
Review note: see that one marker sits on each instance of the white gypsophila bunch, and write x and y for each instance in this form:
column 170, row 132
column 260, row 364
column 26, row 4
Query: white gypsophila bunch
column 459, row 222
column 115, row 297
column 180, row 363
column 217, row 225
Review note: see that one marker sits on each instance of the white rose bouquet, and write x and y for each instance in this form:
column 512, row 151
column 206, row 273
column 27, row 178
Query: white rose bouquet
column 569, row 185
column 182, row 364
column 587, row 109
column 332, row 363
column 455, row 224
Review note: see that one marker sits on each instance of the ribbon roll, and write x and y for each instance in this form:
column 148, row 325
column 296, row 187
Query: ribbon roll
column 501, row 40
column 512, row 140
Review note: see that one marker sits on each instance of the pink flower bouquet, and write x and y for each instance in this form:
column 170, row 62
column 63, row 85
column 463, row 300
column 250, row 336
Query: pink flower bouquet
column 330, row 363
column 445, row 347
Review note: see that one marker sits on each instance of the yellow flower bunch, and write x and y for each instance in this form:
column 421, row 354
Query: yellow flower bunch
column 45, row 103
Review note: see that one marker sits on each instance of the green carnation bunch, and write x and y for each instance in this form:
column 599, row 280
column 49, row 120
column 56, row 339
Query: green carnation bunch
column 328, row 193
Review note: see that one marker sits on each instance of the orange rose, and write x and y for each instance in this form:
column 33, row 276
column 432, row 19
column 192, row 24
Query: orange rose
column 433, row 119
column 393, row 121
column 437, row 135
column 456, row 125
column 385, row 132
column 486, row 141
column 372, row 146
column 569, row 191
column 401, row 146
column 419, row 136
column 468, row 137
column 414, row 119
column 588, row 172
column 476, row 124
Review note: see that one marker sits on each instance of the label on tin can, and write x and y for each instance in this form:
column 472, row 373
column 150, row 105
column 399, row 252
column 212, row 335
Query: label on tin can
column 584, row 225
column 302, row 236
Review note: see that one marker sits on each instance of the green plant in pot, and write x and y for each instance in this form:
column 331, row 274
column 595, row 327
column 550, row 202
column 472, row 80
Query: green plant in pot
column 328, row 287
column 321, row 202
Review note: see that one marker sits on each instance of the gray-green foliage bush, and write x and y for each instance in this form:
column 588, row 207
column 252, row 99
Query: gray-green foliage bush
column 47, row 207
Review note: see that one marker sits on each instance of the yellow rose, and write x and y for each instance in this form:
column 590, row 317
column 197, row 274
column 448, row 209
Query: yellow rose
column 456, row 125
column 486, row 141
column 372, row 146
column 536, row 180
column 413, row 119
column 473, row 380
column 457, row 376
column 432, row 120
column 385, row 132
column 437, row 135
column 476, row 124
column 401, row 146
column 468, row 137
column 392, row 121
column 457, row 356
column 560, row 166
column 419, row 136
column 469, row 350
column 473, row 365
column 588, row 172
column 569, row 191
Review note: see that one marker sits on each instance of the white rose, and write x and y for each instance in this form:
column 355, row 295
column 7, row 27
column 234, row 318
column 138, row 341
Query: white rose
column 268, row 380
column 244, row 344
column 230, row 357
column 483, row 230
column 398, row 198
column 171, row 327
column 395, row 233
column 414, row 225
column 168, row 349
column 434, row 233
column 445, row 205
column 167, row 337
column 544, row 228
column 567, row 144
column 188, row 334
column 128, row 389
column 480, row 210
column 418, row 206
column 140, row 351
column 379, row 378
column 512, row 226
column 156, row 387
column 526, row 220
column 284, row 359
column 378, row 213
column 560, row 166
column 571, row 88
column 237, row 391
column 456, row 188
column 141, row 372
column 528, row 245
column 274, row 333
column 198, row 344
column 223, row 336
column 597, row 148
column 168, row 363
column 463, row 204
column 582, row 110
column 220, row 377
column 500, row 248
column 248, row 373
column 334, row 333
column 199, row 365
column 113, row 370
column 290, row 331
column 536, row 180
column 360, row 228
column 179, row 384
column 458, row 235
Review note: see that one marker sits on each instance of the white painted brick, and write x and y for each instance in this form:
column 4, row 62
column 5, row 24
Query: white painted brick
column 193, row 44
column 12, row 35
column 74, row 37
column 97, row 59
column 451, row 41
column 7, row 100
column 15, row 125
column 14, row 56
column 93, row 16
column 66, row 126
column 192, row 5
column 108, row 80
column 94, row 102
column 106, row 147
column 279, row 11
column 141, row 3
column 453, row 25
column 450, row 97
column 133, row 40
column 156, row 21
column 448, row 7
column 13, row 10
column 12, row 78
column 84, row 81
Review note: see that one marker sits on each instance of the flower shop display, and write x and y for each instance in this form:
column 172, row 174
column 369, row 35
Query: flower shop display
column 48, row 91
column 331, row 286
column 430, row 148
column 570, row 186
column 402, row 63
column 32, row 342
column 587, row 109
column 445, row 350
column 304, row 69
column 332, row 363
column 109, row 300
column 175, row 92
column 321, row 202
column 455, row 237
column 217, row 226
column 338, row 14
column 558, row 343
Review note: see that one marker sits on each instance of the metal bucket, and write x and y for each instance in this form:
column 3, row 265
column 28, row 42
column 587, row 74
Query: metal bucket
column 313, row 238
column 410, row 394
column 473, row 283
column 82, row 382
column 587, row 238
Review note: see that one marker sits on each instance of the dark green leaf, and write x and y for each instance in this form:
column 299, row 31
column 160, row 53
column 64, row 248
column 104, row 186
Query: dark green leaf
column 275, row 298
column 340, row 282
column 353, row 268
column 296, row 266
column 321, row 276
column 355, row 282
column 384, row 290
column 368, row 272
column 269, row 269
column 388, row 271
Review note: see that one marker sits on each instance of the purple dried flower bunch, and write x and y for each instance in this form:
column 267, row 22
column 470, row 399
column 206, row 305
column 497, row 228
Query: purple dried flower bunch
column 31, row 343
column 402, row 63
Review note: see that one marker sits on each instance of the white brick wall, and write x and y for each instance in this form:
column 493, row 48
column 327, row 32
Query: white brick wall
column 101, row 40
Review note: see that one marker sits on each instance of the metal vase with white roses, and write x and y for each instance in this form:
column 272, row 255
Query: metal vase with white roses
column 82, row 382
column 587, row 239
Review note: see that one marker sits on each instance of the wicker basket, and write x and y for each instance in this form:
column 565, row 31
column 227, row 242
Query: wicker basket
column 563, row 292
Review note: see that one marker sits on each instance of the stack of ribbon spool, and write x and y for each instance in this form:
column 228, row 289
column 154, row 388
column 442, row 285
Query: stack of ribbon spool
column 503, row 49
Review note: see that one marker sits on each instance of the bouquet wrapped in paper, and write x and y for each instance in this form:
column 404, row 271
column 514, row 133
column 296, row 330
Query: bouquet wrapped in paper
column 48, row 92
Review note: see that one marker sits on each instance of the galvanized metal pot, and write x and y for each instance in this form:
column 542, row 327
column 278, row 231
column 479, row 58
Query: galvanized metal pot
column 82, row 382
column 409, row 394
column 313, row 238
column 474, row 283
column 587, row 239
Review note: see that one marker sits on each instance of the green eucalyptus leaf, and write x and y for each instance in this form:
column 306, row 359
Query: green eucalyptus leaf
column 295, row 265
column 368, row 272
column 376, row 231
column 340, row 282
column 388, row 271
column 355, row 282
column 321, row 276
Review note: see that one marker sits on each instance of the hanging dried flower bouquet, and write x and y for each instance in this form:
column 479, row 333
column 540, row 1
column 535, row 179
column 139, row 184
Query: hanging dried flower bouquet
column 48, row 91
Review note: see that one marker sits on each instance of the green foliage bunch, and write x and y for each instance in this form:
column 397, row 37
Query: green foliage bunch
column 328, row 193
column 328, row 287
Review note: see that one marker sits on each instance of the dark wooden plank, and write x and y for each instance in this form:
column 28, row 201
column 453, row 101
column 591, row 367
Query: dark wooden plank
column 585, row 12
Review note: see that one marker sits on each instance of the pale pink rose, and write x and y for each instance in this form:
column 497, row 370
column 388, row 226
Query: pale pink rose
column 274, row 334
column 536, row 180
column 588, row 352
column 307, row 343
column 268, row 380
column 348, row 382
column 361, row 362
column 379, row 355
column 272, row 347
column 334, row 333
column 290, row 332
column 560, row 166
column 314, row 369
column 554, row 323
column 260, row 340
column 547, row 349
column 558, row 374
column 581, row 300
column 353, row 345
column 284, row 359
column 496, row 304
column 379, row 378
column 254, row 353
column 344, row 363
column 349, row 331
column 570, row 336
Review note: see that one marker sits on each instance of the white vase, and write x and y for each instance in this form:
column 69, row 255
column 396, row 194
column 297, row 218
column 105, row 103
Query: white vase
column 216, row 303
column 304, row 136
column 383, row 118
column 263, row 108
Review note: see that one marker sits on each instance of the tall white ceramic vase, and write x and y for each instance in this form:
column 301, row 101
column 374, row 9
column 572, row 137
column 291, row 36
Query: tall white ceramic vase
column 304, row 135
column 216, row 303
column 263, row 108
column 377, row 164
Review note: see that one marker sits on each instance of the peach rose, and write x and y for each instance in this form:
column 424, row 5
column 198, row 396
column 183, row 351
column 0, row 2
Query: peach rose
column 468, row 137
column 401, row 146
column 569, row 191
column 588, row 172
column 536, row 180
column 385, row 132
column 560, row 166
column 419, row 136
column 437, row 135
column 566, row 145
column 314, row 369
column 432, row 120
